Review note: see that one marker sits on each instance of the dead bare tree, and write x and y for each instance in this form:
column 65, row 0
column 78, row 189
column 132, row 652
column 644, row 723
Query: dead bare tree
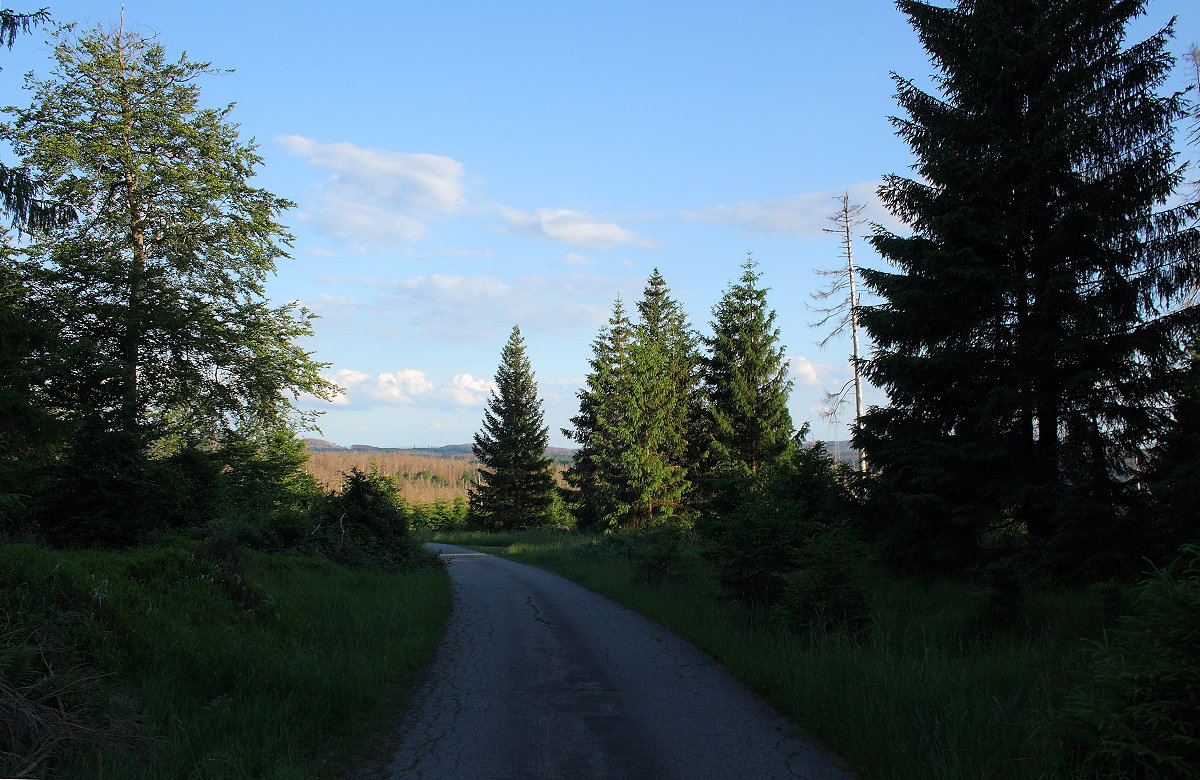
column 842, row 292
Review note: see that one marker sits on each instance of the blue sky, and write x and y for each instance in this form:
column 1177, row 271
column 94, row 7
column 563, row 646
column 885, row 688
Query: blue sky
column 463, row 166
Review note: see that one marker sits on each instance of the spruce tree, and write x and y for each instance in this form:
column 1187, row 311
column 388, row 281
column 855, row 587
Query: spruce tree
column 158, row 288
column 515, row 489
column 1028, row 338
column 601, row 429
column 746, row 390
column 20, row 195
column 635, row 418
column 660, row 401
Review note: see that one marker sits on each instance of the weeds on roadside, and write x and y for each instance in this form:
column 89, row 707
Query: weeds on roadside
column 180, row 660
column 922, row 685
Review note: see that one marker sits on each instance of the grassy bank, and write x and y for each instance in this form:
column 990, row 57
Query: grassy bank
column 174, row 661
column 947, row 682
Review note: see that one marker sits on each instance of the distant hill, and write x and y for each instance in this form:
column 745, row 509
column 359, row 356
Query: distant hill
column 561, row 455
column 841, row 450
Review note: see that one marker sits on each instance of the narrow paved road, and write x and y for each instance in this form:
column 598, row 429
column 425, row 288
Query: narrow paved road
column 541, row 678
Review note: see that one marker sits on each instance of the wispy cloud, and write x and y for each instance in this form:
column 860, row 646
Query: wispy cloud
column 571, row 227
column 811, row 373
column 574, row 258
column 407, row 386
column 379, row 198
column 464, row 308
column 806, row 215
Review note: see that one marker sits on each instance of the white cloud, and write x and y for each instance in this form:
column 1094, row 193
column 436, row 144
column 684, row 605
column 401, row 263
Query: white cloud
column 805, row 215
column 395, row 387
column 810, row 373
column 364, row 223
column 561, row 389
column 348, row 378
column 466, row 390
column 376, row 197
column 400, row 386
column 571, row 227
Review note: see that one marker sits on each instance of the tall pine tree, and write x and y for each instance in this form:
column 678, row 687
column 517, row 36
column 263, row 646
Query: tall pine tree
column 601, row 429
column 159, row 286
column 635, row 418
column 746, row 389
column 1028, row 338
column 516, row 489
column 660, row 400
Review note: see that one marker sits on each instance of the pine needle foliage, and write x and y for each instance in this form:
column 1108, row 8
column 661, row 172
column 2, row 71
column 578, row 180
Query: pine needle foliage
column 1030, row 334
column 746, row 390
column 635, row 422
column 158, row 288
column 662, row 382
column 515, row 489
column 20, row 195
column 601, row 429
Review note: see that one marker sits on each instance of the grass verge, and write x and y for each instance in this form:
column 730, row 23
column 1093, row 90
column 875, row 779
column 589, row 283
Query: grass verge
column 174, row 661
column 935, row 688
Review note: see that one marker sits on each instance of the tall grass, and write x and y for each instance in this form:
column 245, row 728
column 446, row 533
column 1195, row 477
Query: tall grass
column 273, row 666
column 933, row 689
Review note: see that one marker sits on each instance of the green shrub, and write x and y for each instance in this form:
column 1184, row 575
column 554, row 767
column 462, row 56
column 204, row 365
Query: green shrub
column 828, row 588
column 365, row 525
column 753, row 548
column 659, row 555
column 180, row 660
column 1137, row 714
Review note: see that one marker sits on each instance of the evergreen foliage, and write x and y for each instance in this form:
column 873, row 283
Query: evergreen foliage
column 1139, row 708
column 136, row 343
column 601, row 429
column 1173, row 516
column 1030, row 337
column 745, row 391
column 516, row 489
column 795, row 501
column 20, row 196
column 365, row 524
column 659, row 401
column 635, row 421
column 157, row 290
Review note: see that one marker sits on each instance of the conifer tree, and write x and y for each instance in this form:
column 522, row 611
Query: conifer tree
column 663, row 323
column 601, row 429
column 158, row 287
column 515, row 489
column 660, row 403
column 631, row 470
column 746, row 391
column 20, row 196
column 1028, row 339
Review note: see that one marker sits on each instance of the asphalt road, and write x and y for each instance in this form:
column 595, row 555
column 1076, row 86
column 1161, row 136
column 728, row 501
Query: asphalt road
column 538, row 677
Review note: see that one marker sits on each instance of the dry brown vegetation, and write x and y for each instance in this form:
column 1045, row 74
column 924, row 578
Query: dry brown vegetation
column 423, row 479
